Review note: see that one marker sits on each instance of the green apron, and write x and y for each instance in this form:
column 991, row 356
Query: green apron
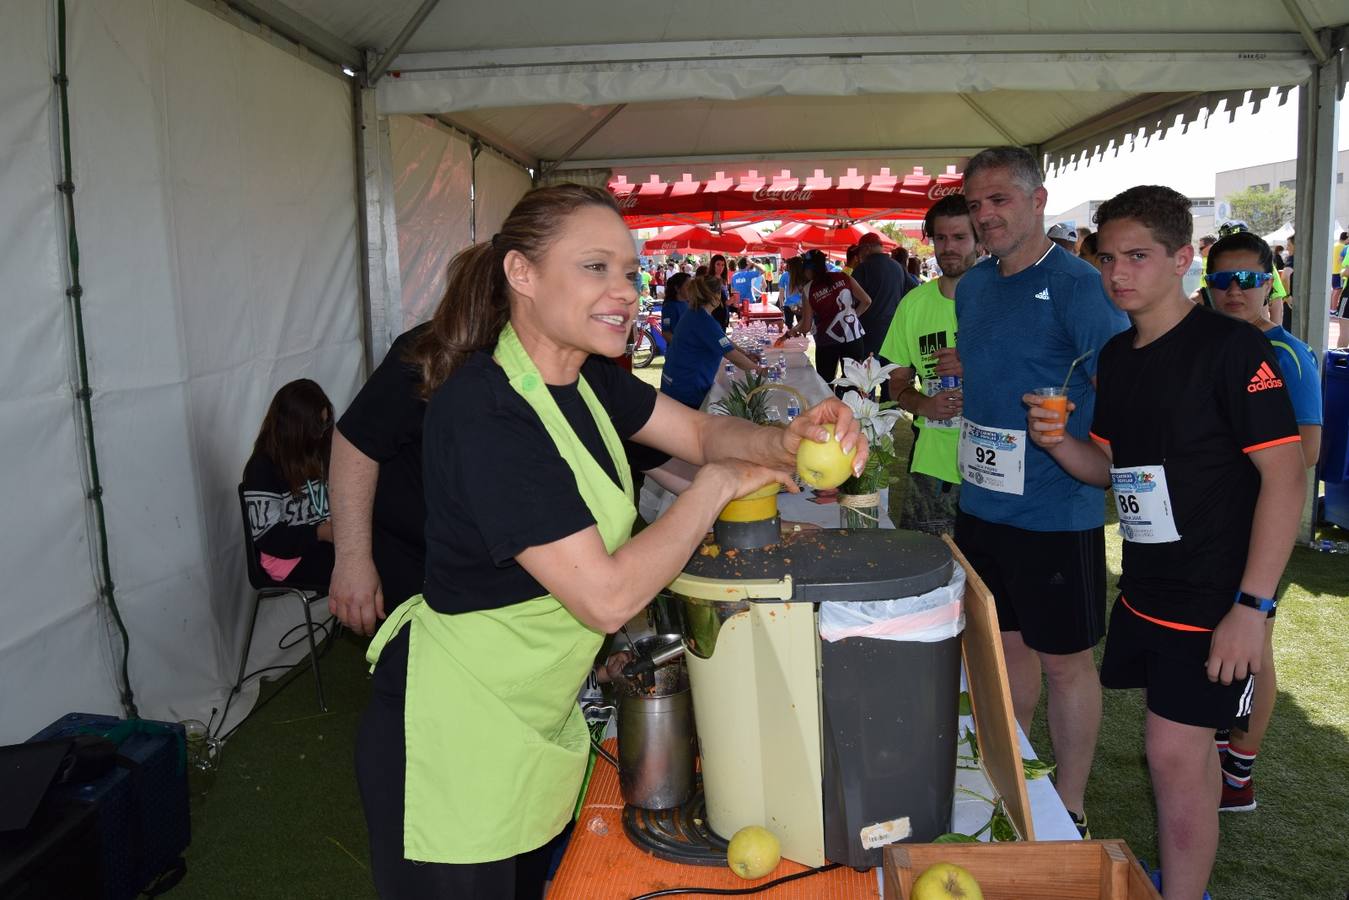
column 496, row 744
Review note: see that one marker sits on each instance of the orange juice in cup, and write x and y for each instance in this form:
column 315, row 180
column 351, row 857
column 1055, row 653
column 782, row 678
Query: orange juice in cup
column 1056, row 400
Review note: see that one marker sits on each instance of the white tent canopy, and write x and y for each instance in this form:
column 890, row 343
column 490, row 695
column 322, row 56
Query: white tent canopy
column 249, row 214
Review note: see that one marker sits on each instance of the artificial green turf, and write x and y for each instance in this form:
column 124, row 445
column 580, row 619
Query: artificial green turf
column 283, row 819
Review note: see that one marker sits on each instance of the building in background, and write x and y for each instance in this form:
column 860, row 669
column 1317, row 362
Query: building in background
column 1270, row 176
column 1202, row 208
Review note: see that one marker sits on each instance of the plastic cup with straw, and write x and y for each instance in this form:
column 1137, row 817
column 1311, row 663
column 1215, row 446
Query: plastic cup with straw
column 1055, row 399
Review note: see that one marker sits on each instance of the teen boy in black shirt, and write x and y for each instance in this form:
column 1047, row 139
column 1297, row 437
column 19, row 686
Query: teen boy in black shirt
column 1195, row 433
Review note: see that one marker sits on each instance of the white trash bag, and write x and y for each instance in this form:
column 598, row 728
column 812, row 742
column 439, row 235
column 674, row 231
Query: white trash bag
column 931, row 617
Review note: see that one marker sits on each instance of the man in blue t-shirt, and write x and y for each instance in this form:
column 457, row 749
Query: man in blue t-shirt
column 747, row 282
column 1033, row 532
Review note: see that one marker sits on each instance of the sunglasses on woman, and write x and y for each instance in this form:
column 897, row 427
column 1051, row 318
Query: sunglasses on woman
column 1245, row 279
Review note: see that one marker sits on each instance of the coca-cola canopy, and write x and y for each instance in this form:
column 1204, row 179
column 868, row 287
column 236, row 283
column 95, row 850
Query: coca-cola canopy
column 685, row 238
column 800, row 236
column 849, row 198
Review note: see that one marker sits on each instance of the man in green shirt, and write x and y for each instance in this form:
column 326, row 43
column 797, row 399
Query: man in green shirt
column 921, row 341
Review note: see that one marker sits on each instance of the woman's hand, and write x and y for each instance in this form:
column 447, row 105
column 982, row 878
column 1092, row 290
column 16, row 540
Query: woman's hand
column 810, row 425
column 738, row 477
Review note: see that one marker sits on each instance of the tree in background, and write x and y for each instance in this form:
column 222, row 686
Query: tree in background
column 1263, row 210
column 894, row 232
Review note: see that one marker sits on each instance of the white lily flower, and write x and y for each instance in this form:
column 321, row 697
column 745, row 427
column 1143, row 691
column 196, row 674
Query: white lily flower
column 875, row 422
column 864, row 376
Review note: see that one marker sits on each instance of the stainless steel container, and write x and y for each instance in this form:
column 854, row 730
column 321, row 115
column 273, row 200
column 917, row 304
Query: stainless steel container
column 657, row 745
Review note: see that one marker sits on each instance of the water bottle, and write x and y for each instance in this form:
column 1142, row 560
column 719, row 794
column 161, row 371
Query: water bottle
column 730, row 371
column 782, row 366
column 1328, row 546
column 793, row 409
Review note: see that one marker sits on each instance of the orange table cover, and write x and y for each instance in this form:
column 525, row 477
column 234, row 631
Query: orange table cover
column 602, row 864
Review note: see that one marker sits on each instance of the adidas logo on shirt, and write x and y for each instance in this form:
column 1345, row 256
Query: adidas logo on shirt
column 1263, row 380
column 1043, row 295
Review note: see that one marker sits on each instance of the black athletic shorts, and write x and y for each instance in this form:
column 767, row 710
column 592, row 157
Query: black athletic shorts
column 1048, row 585
column 1172, row 666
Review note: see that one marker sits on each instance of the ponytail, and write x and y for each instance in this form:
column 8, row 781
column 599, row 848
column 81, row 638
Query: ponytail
column 476, row 304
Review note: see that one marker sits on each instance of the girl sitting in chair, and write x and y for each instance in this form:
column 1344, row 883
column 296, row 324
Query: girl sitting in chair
column 286, row 487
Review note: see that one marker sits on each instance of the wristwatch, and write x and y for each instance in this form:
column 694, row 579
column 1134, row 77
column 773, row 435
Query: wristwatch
column 1254, row 602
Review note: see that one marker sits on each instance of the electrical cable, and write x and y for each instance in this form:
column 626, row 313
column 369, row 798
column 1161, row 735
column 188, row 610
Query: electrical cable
column 75, row 293
column 738, row 892
column 608, row 757
column 324, row 645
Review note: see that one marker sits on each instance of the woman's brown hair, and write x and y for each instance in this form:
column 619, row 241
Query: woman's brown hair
column 297, row 433
column 476, row 303
column 705, row 292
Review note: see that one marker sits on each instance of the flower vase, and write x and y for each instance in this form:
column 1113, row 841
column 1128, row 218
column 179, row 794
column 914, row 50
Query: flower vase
column 859, row 510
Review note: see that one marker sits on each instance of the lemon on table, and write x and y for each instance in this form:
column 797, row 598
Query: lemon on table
column 824, row 464
column 754, row 852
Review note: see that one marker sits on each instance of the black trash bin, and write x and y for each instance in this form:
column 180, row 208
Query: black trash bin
column 890, row 720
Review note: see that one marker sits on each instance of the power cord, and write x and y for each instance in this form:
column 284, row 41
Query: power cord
column 738, row 892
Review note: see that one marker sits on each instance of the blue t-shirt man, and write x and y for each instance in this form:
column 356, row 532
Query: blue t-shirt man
column 691, row 365
column 1297, row 364
column 748, row 283
column 1019, row 333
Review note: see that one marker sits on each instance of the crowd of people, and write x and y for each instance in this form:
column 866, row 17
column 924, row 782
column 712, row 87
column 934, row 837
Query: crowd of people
column 482, row 495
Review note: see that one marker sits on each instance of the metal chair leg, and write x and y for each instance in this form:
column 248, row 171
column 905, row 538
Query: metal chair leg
column 248, row 644
column 313, row 652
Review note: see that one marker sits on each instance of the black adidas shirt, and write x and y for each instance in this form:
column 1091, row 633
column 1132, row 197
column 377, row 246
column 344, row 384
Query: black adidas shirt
column 1197, row 401
column 496, row 483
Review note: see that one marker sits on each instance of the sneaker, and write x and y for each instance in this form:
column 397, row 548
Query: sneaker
column 1240, row 799
column 1155, row 876
column 1081, row 824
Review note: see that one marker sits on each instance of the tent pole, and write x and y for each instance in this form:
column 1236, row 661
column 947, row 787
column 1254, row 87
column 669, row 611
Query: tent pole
column 377, row 230
column 474, row 149
column 376, row 71
column 1317, row 134
column 551, row 166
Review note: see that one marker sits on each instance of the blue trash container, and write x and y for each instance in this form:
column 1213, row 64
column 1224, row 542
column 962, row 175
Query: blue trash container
column 1334, row 466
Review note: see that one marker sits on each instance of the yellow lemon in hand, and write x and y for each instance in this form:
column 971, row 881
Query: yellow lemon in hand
column 754, row 852
column 824, row 465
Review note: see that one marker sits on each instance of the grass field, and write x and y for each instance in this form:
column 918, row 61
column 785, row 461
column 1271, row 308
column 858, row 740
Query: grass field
column 282, row 818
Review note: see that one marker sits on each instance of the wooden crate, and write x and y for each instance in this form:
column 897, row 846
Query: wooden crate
column 1044, row 870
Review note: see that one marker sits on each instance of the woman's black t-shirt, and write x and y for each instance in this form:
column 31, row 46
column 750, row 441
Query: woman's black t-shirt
column 496, row 483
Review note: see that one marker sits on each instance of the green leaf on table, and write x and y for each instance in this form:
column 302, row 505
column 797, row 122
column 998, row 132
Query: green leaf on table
column 954, row 837
column 1035, row 768
column 1002, row 827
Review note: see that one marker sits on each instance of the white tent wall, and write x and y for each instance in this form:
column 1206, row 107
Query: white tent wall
column 53, row 651
column 500, row 185
column 433, row 175
column 215, row 196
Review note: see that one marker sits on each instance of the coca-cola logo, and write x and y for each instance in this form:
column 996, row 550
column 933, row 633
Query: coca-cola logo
column 628, row 201
column 937, row 191
column 765, row 195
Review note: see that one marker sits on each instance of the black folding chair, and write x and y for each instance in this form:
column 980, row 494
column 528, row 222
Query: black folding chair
column 265, row 588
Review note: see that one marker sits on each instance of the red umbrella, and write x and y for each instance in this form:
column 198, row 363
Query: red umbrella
column 812, row 237
column 754, row 240
column 692, row 237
